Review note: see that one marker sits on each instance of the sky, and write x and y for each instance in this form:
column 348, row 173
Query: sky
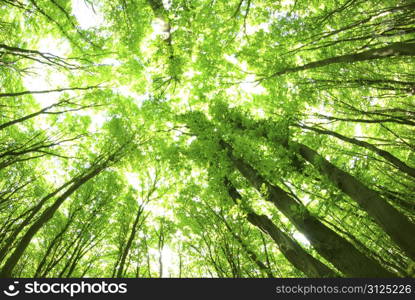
column 85, row 15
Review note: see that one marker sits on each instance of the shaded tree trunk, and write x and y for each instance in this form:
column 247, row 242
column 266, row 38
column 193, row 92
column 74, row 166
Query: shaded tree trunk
column 251, row 254
column 52, row 244
column 292, row 251
column 14, row 235
column 16, row 94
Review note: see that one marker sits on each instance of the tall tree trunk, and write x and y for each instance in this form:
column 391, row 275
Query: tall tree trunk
column 160, row 249
column 14, row 235
column 44, row 110
column 129, row 243
column 402, row 166
column 337, row 250
column 57, row 256
column 27, row 117
column 16, row 94
column 52, row 244
column 292, row 251
column 251, row 254
column 394, row 49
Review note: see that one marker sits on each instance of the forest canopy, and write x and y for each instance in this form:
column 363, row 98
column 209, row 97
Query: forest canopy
column 207, row 138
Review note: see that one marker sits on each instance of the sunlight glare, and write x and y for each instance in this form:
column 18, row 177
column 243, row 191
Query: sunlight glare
column 86, row 17
column 301, row 238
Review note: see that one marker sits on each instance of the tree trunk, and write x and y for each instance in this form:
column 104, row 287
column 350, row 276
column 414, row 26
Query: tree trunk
column 384, row 214
column 129, row 243
column 16, row 94
column 394, row 49
column 292, row 251
column 403, row 167
column 51, row 245
column 251, row 254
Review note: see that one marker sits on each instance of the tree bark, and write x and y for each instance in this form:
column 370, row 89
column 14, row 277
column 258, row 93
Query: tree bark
column 52, row 244
column 384, row 214
column 129, row 243
column 13, row 236
column 394, row 49
column 251, row 254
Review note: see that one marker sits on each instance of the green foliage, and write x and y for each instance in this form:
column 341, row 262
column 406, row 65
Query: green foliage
column 163, row 103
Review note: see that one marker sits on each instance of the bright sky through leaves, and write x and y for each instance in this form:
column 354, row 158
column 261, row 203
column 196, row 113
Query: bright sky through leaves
column 241, row 138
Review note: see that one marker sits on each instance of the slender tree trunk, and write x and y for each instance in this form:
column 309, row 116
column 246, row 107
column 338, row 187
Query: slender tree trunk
column 16, row 94
column 51, row 245
column 384, row 214
column 267, row 255
column 403, row 167
column 44, row 110
column 251, row 254
column 88, row 267
column 386, row 119
column 54, row 262
column 180, row 265
column 27, row 117
column 129, row 243
column 73, row 263
column 292, row 251
column 81, row 253
column 14, row 235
